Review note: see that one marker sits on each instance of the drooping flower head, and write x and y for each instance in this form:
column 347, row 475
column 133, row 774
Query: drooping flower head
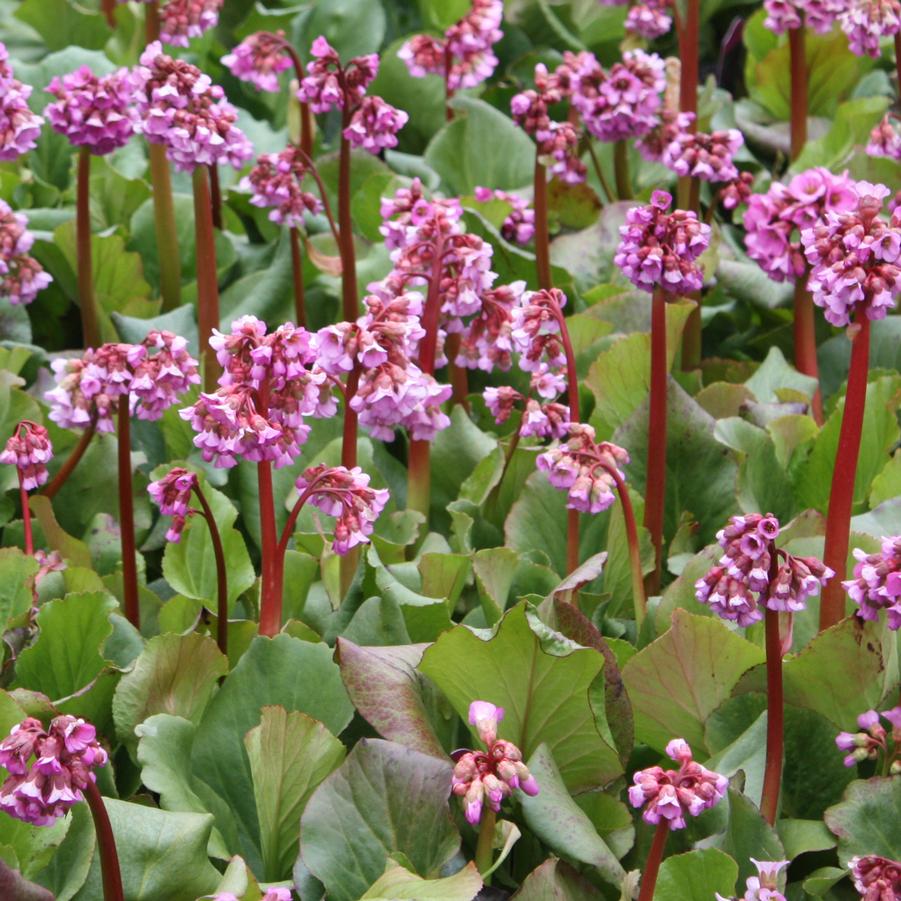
column 29, row 449
column 277, row 184
column 330, row 85
column 671, row 795
column 737, row 191
column 854, row 258
column 660, row 249
column 181, row 20
column 765, row 886
column 872, row 741
column 487, row 343
column 179, row 107
column 649, row 20
column 375, row 124
column 172, row 494
column 669, row 125
column 877, row 582
column 259, row 59
column 866, row 22
column 21, row 276
column 885, row 139
column 48, row 770
column 704, row 156
column 482, row 777
column 876, row 878
column 94, row 111
column 19, row 126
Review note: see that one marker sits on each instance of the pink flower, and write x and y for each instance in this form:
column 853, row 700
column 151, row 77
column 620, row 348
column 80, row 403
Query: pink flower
column 93, row 111
column 181, row 20
column 180, row 108
column 21, row 276
column 871, row 741
column 649, row 20
column 670, row 124
column 172, row 494
column 536, row 329
column 867, row 21
column 29, row 449
column 485, row 717
column 277, row 182
column 737, row 191
column 765, row 885
column 670, row 795
column 519, row 225
column 259, row 59
column 704, row 156
column 877, row 582
column 346, row 495
column 885, row 140
column 19, row 126
column 329, row 85
column 819, row 15
column 487, row 341
column 375, row 124
column 876, row 878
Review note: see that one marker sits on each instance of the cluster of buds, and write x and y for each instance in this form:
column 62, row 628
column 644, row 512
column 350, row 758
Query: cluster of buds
column 181, row 20
column 375, row 124
column 542, row 417
column 463, row 56
column 876, row 878
column 786, row 15
column 518, row 226
column 766, row 885
column 181, row 109
column 29, row 450
column 885, row 139
column 172, row 494
column 738, row 191
column 649, row 19
column 151, row 375
column 669, row 125
column 346, row 495
column 774, row 220
column 488, row 341
column 259, row 59
column 753, row 570
column 855, row 258
column 671, row 795
column 877, row 582
column 704, row 156
column 660, row 249
column 19, row 126
column 21, row 276
column 94, row 111
column 866, row 22
column 585, row 469
column 872, row 741
column 277, row 184
column 66, row 754
column 489, row 776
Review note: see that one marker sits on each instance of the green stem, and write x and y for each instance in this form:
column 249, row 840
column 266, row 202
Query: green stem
column 207, row 280
column 485, row 844
column 127, row 516
column 106, row 844
column 87, row 301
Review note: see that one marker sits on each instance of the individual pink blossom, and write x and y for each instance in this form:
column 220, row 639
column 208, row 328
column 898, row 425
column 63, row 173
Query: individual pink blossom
column 375, row 124
column 21, row 276
column 94, row 111
column 872, row 741
column 660, row 249
column 48, row 770
column 671, row 795
column 259, row 59
column 487, row 342
column 181, row 109
column 819, row 15
column 29, row 449
column 346, row 495
column 877, row 582
column 540, row 419
column 329, row 85
column 669, row 125
column 854, row 258
column 876, row 878
column 537, row 329
column 490, row 776
column 585, row 469
column 277, row 184
column 866, row 22
column 19, row 126
column 765, row 886
column 885, row 140
column 649, row 20
column 704, row 156
column 181, row 20
column 172, row 494
column 519, row 225
column 737, row 192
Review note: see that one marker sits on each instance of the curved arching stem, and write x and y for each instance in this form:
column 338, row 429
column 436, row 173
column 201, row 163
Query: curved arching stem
column 111, row 875
column 53, row 486
column 652, row 865
column 221, row 572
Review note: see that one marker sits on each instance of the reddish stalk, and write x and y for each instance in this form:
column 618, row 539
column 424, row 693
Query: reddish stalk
column 106, row 845
column 221, row 573
column 87, row 301
column 349, row 299
column 108, row 7
column 215, row 196
column 127, row 516
column 655, row 856
column 621, row 171
column 459, row 378
column 306, row 116
column 448, row 90
column 542, row 238
column 26, row 515
column 841, row 495
column 798, row 66
column 53, row 486
column 775, row 706
column 300, row 307
column 804, row 327
column 689, row 52
column 270, row 596
column 655, row 491
column 207, row 281
column 349, row 443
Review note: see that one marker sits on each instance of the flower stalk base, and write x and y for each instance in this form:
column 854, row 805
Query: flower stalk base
column 87, row 301
column 656, row 469
column 652, row 866
column 106, row 844
column 772, row 773
column 127, row 516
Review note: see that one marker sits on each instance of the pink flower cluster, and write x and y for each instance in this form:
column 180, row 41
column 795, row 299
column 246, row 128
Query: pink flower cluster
column 346, row 495
column 737, row 191
column 649, row 20
column 19, row 126
column 876, row 878
column 172, row 494
column 328, row 85
column 66, row 755
column 181, row 20
column 867, row 21
column 670, row 795
column 464, row 56
column 22, row 277
column 872, row 741
column 518, row 226
column 669, row 125
column 151, row 375
column 877, row 582
column 488, row 342
column 29, row 449
column 268, row 385
column 765, row 885
column 854, row 257
column 751, row 564
column 482, row 777
column 259, row 59
column 375, row 124
column 180, row 108
column 820, row 15
column 541, row 418
column 885, row 140
column 277, row 183
column 704, row 156
column 585, row 469
column 660, row 249
column 94, row 111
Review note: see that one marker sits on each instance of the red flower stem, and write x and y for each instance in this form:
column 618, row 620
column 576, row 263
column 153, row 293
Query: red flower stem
column 300, row 307
column 326, row 206
column 270, row 597
column 26, row 515
column 87, row 301
column 53, row 486
column 306, row 116
column 841, row 495
column 106, row 844
column 656, row 457
column 448, row 90
column 898, row 59
column 542, row 238
column 689, row 36
column 639, row 598
column 215, row 196
column 485, row 843
column 804, row 327
column 127, row 516
column 221, row 573
column 349, row 299
column 621, row 171
column 775, row 706
column 108, row 8
column 798, row 66
column 349, row 443
column 459, row 378
column 655, row 856
column 207, row 281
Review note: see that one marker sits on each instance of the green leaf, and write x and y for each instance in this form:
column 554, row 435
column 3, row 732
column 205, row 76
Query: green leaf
column 866, row 821
column 67, row 871
column 399, row 883
column 696, row 876
column 773, row 374
column 350, row 28
column 289, row 754
column 543, row 685
column 887, row 484
column 803, row 836
column 17, row 572
column 555, row 879
column 62, row 24
column 677, row 681
column 561, row 824
column 495, row 570
column 30, row 848
column 748, row 835
column 383, row 800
